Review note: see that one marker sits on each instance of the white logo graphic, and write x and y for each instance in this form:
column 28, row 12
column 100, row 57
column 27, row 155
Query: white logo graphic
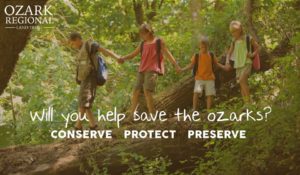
column 28, row 17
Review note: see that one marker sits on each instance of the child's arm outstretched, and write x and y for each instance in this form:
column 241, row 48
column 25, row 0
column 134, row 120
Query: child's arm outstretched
column 131, row 55
column 219, row 65
column 170, row 57
column 188, row 67
column 107, row 52
column 227, row 66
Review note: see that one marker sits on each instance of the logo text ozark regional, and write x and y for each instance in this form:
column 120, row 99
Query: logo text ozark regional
column 27, row 17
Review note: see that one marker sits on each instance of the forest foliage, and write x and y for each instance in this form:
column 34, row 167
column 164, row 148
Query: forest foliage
column 45, row 73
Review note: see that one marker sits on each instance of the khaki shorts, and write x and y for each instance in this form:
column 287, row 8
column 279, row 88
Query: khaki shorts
column 243, row 70
column 146, row 80
column 87, row 91
column 207, row 85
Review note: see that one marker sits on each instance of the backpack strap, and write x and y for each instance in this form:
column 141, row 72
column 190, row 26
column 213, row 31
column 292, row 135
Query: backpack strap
column 248, row 43
column 196, row 57
column 158, row 51
column 77, row 81
column 141, row 48
column 89, row 50
column 212, row 56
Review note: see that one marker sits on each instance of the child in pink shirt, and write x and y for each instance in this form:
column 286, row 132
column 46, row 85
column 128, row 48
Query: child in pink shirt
column 152, row 50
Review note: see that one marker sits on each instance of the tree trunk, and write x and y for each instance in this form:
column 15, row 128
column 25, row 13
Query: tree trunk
column 249, row 10
column 151, row 9
column 250, row 6
column 138, row 11
column 219, row 5
column 12, row 41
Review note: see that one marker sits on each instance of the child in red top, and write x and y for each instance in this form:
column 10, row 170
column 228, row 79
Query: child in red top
column 152, row 50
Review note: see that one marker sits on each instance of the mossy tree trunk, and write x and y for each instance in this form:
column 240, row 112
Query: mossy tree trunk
column 12, row 41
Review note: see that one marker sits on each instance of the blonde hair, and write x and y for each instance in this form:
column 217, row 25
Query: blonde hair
column 146, row 28
column 235, row 25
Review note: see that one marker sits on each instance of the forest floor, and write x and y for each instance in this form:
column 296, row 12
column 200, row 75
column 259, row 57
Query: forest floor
column 68, row 155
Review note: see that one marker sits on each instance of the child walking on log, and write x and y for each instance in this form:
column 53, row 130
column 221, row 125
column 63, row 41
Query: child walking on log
column 152, row 50
column 242, row 57
column 203, row 64
column 86, row 77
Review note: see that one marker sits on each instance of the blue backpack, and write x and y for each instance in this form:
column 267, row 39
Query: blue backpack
column 101, row 72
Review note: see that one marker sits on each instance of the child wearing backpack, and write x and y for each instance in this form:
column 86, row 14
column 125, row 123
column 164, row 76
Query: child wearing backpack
column 152, row 50
column 242, row 55
column 203, row 64
column 86, row 75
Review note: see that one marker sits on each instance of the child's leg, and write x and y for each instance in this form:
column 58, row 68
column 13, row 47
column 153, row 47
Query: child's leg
column 134, row 100
column 149, row 88
column 81, row 111
column 92, row 121
column 209, row 101
column 136, row 93
column 241, row 87
column 210, row 91
column 86, row 98
column 198, row 89
column 244, row 86
column 149, row 101
column 245, row 90
column 242, row 90
column 195, row 101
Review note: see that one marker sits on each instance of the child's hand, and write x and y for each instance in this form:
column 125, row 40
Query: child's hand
column 181, row 70
column 121, row 60
column 227, row 67
column 178, row 69
column 250, row 55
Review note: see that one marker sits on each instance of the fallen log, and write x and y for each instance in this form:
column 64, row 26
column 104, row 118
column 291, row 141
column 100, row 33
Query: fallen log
column 69, row 156
column 178, row 97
